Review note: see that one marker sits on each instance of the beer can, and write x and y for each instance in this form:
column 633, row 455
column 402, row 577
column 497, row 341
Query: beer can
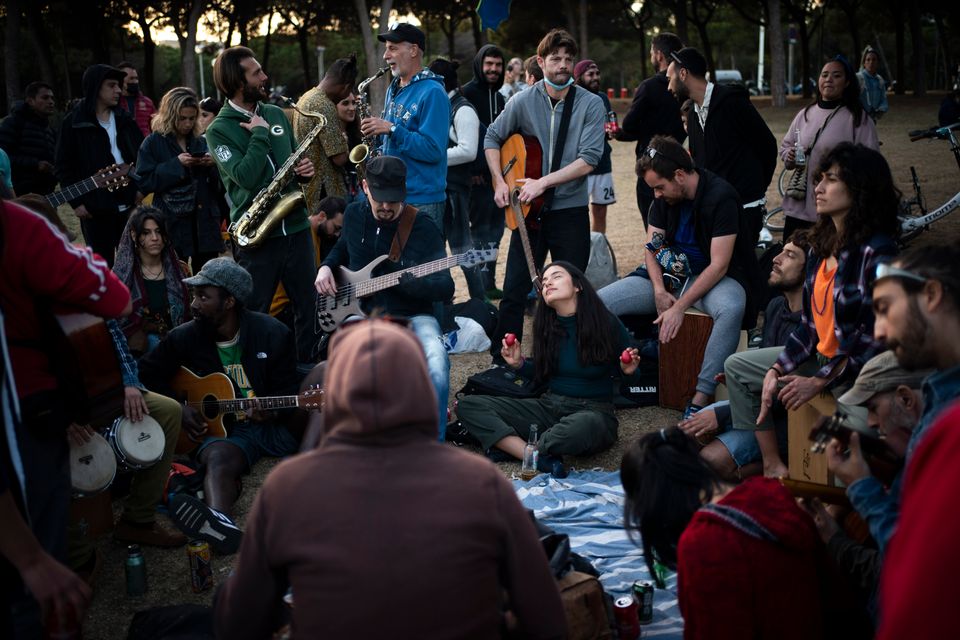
column 201, row 572
column 643, row 594
column 625, row 612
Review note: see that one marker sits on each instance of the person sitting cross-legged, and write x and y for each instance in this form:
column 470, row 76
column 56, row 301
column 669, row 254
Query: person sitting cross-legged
column 697, row 254
column 576, row 349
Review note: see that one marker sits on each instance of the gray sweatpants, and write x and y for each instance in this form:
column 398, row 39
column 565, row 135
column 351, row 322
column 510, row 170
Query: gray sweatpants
column 724, row 303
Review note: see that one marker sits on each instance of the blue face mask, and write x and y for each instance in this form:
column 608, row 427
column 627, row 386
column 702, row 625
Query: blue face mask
column 559, row 87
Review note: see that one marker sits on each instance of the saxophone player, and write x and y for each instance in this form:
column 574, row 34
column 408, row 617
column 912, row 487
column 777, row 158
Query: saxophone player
column 415, row 122
column 250, row 140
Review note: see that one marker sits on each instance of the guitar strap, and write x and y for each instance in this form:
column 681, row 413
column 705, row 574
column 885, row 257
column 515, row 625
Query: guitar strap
column 561, row 141
column 407, row 218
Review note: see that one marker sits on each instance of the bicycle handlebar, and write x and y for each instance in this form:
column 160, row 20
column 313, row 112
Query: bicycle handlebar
column 940, row 133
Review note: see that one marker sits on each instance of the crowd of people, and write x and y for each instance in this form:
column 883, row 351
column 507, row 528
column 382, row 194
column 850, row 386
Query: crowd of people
column 233, row 230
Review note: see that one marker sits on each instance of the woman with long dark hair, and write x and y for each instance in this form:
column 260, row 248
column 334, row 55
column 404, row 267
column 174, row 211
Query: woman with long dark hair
column 732, row 546
column 147, row 263
column 857, row 205
column 176, row 167
column 836, row 116
column 577, row 347
column 350, row 124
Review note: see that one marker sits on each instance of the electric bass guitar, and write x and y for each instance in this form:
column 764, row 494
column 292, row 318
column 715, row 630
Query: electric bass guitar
column 352, row 286
column 521, row 159
column 110, row 178
column 213, row 396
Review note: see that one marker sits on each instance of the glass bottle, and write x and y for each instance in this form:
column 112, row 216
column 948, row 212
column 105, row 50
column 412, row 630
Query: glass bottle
column 799, row 157
column 531, row 455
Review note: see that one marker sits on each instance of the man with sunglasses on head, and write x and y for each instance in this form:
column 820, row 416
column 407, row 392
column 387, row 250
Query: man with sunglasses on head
column 697, row 254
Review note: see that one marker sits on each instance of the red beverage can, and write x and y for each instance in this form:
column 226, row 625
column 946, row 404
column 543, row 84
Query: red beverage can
column 201, row 572
column 625, row 611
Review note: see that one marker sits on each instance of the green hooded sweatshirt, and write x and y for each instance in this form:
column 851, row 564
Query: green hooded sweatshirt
column 248, row 160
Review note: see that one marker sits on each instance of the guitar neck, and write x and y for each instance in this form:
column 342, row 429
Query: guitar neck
column 242, row 404
column 373, row 285
column 72, row 192
column 525, row 242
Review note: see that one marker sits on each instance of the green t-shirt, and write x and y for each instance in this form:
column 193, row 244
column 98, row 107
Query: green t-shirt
column 230, row 353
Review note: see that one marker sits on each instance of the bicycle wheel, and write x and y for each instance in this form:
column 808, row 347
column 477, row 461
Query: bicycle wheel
column 782, row 182
column 775, row 219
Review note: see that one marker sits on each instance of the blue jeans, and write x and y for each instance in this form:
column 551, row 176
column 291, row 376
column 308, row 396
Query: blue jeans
column 428, row 333
column 434, row 211
column 724, row 302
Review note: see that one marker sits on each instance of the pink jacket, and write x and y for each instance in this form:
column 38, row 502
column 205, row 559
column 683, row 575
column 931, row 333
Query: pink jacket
column 142, row 113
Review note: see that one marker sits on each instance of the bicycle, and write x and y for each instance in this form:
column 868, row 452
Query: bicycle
column 914, row 217
column 774, row 219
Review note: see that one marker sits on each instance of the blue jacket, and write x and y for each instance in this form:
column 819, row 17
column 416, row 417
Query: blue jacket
column 421, row 111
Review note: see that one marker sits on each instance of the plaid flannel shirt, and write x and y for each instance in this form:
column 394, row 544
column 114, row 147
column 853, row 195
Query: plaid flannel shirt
column 128, row 365
column 852, row 312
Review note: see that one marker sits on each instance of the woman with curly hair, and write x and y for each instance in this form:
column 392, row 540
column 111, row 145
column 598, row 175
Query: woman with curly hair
column 577, row 348
column 836, row 116
column 176, row 167
column 147, row 263
column 857, row 227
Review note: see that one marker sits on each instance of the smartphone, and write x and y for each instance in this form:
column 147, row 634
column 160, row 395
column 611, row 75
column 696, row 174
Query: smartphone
column 198, row 154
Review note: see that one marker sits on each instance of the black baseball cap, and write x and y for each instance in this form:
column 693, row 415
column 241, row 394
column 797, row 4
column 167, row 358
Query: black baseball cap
column 387, row 179
column 404, row 32
column 691, row 60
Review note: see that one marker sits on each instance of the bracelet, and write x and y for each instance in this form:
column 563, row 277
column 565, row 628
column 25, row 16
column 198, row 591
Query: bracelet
column 775, row 370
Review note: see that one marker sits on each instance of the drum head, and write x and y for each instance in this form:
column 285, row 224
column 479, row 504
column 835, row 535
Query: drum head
column 138, row 443
column 92, row 466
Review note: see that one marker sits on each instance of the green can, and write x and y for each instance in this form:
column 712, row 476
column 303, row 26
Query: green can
column 643, row 594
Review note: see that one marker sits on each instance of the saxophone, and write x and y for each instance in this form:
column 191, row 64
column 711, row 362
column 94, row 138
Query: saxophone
column 369, row 147
column 255, row 225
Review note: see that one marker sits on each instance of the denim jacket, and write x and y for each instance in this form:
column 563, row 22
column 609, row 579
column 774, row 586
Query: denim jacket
column 880, row 508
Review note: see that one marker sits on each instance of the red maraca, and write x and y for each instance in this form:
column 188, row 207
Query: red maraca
column 626, row 357
column 510, row 338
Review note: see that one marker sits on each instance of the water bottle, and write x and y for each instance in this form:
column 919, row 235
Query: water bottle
column 531, row 455
column 799, row 157
column 136, row 570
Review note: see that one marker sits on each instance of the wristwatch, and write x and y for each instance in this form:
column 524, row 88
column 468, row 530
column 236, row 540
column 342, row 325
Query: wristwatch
column 393, row 129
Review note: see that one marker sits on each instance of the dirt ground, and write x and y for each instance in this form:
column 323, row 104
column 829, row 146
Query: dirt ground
column 169, row 581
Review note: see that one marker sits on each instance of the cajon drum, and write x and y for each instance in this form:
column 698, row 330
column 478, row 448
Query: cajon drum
column 803, row 464
column 681, row 358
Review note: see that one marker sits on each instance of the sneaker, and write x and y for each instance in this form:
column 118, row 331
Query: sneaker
column 149, row 535
column 497, row 455
column 458, row 435
column 495, row 294
column 552, row 465
column 200, row 521
column 691, row 410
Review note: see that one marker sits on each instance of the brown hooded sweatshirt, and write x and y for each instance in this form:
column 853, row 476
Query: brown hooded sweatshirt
column 383, row 532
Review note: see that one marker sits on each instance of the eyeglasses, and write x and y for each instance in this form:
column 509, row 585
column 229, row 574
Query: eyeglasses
column 885, row 270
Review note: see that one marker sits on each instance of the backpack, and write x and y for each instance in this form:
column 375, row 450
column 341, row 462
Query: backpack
column 602, row 266
column 500, row 381
column 478, row 166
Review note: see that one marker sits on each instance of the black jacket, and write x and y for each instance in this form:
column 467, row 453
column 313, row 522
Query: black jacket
column 485, row 97
column 716, row 211
column 159, row 171
column 267, row 356
column 737, row 145
column 653, row 112
column 364, row 238
column 84, row 148
column 28, row 138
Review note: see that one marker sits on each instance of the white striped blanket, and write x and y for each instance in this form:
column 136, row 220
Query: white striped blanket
column 588, row 507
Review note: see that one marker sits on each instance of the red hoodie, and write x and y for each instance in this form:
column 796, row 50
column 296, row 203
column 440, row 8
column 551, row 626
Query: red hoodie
column 734, row 585
column 38, row 263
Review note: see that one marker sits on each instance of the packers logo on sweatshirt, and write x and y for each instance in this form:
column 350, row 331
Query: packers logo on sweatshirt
column 276, row 130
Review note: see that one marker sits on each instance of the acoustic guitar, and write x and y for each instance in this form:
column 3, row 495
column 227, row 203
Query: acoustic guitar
column 213, row 396
column 353, row 286
column 883, row 462
column 110, row 178
column 521, row 159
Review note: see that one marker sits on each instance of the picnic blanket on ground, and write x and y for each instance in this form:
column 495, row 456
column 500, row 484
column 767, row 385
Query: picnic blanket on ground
column 588, row 507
